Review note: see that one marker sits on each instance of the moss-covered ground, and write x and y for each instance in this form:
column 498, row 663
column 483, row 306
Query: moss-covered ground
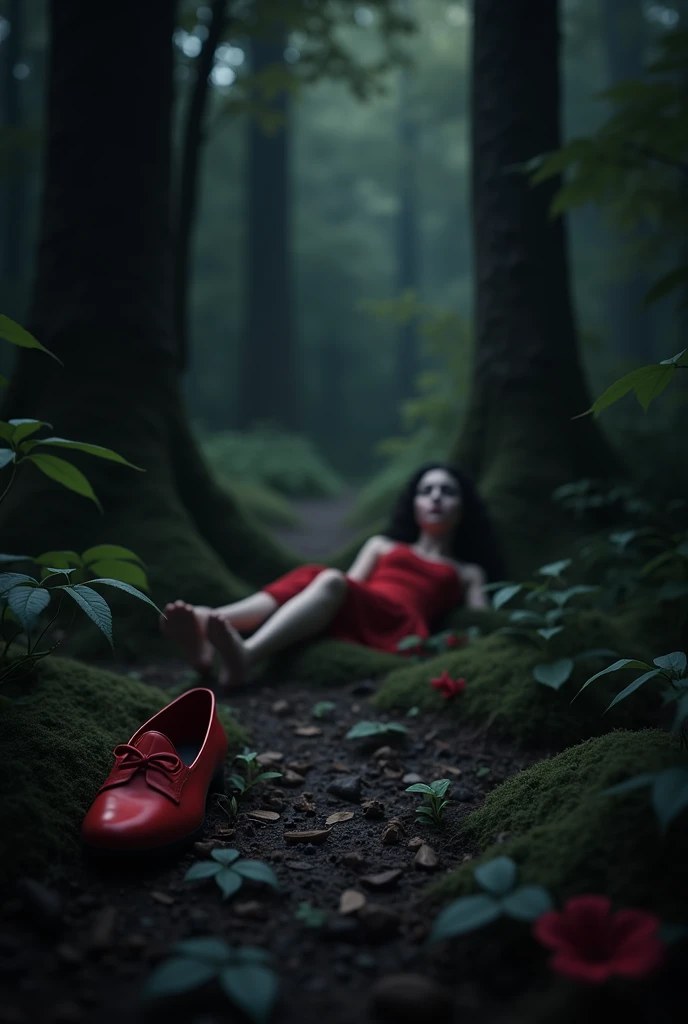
column 564, row 834
column 500, row 688
column 58, row 728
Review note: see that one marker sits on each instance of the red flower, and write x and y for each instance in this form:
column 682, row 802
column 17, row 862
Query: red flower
column 456, row 641
column 591, row 943
column 447, row 686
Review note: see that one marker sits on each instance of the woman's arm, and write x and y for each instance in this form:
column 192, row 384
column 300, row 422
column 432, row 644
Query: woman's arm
column 365, row 560
column 474, row 579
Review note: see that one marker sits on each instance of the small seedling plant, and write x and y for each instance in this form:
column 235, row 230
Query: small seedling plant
column 501, row 896
column 670, row 668
column 369, row 730
column 323, row 709
column 244, row 974
column 253, row 775
column 310, row 916
column 230, row 872
column 432, row 809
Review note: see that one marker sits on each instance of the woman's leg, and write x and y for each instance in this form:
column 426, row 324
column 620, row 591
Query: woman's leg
column 302, row 616
column 186, row 624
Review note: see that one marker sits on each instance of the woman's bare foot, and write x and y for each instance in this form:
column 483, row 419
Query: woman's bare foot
column 186, row 625
column 224, row 637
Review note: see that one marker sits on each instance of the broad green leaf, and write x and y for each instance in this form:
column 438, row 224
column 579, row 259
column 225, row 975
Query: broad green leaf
column 463, row 916
column 547, row 634
column 680, row 359
column 6, row 431
column 256, row 871
column 505, row 594
column 177, row 975
column 636, row 782
column 651, row 380
column 90, row 449
column 229, row 881
column 17, row 335
column 205, row 948
column 554, row 568
column 6, row 456
column 64, row 473
column 12, row 579
column 266, row 775
column 128, row 589
column 524, row 617
column 527, row 903
column 497, row 876
column 419, row 787
column 238, row 781
column 363, row 729
column 95, row 606
column 670, row 794
column 674, row 662
column 554, row 673
column 252, row 988
column 27, row 603
column 125, row 572
column 61, row 559
column 111, row 551
column 24, row 428
column 621, row 663
column 632, row 687
column 204, row 869
column 225, row 857
column 440, row 787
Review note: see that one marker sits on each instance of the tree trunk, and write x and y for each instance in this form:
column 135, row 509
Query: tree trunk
column 103, row 302
column 407, row 243
column 624, row 32
column 188, row 180
column 267, row 362
column 518, row 439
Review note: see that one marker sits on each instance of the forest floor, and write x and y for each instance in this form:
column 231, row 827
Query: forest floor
column 79, row 952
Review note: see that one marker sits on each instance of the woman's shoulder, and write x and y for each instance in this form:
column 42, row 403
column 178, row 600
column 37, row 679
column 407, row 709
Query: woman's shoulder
column 383, row 544
column 470, row 572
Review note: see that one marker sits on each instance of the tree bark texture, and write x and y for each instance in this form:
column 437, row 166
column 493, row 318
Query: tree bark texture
column 407, row 242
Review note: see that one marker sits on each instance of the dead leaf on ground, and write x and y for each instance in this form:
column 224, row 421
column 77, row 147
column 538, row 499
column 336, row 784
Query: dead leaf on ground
column 266, row 816
column 162, row 897
column 308, row 730
column 270, row 757
column 339, row 816
column 383, row 879
column 439, row 768
column 290, row 778
column 350, row 901
column 300, row 767
column 337, row 766
column 315, row 835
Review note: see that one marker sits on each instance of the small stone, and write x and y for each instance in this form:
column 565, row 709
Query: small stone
column 273, row 803
column 392, row 832
column 350, row 901
column 378, row 923
column 346, row 789
column 382, row 879
column 291, row 779
column 443, row 768
column 415, row 843
column 251, row 909
column 385, row 754
column 373, row 810
column 298, row 865
column 308, row 730
column 281, row 707
column 102, row 933
column 270, row 757
column 411, row 778
column 305, row 804
column 355, row 860
column 162, row 897
column 391, row 773
column 410, row 999
column 338, row 766
column 426, row 858
column 300, row 767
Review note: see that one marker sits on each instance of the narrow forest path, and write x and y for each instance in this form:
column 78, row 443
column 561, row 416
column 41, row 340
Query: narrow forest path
column 323, row 529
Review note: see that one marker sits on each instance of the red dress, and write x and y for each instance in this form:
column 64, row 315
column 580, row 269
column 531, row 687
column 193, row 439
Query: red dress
column 404, row 594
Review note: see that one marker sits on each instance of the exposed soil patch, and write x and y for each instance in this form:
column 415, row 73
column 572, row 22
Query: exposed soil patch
column 90, row 957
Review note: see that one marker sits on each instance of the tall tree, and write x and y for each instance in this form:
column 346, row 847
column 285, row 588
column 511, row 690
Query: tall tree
column 518, row 438
column 267, row 359
column 103, row 303
column 407, row 240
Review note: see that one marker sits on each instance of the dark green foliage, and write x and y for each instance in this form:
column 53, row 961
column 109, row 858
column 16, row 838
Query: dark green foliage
column 57, row 738
column 566, row 836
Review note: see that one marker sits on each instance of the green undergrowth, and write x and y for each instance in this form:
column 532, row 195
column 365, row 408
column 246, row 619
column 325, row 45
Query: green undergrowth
column 500, row 689
column 564, row 834
column 57, row 733
column 332, row 663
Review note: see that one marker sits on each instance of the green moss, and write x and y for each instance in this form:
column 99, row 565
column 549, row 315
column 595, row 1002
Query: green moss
column 332, row 662
column 57, row 739
column 501, row 690
column 568, row 837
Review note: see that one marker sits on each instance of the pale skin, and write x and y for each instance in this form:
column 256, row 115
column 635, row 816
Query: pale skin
column 201, row 631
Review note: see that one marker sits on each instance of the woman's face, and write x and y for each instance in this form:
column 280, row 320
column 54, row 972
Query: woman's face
column 437, row 504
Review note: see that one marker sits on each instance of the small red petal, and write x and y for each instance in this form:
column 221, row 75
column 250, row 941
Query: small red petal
column 547, row 929
column 633, row 924
column 579, row 969
column 638, row 956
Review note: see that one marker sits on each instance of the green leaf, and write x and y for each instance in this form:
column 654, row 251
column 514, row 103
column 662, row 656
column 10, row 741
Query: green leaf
column 16, row 335
column 527, row 903
column 6, row 456
column 24, row 428
column 229, row 881
column 27, row 603
column 647, row 382
column 238, row 782
column 61, row 559
column 111, row 551
column 440, row 787
column 670, row 794
column 497, row 876
column 636, row 782
column 554, row 569
column 547, row 634
column 621, row 663
column 675, row 662
column 225, row 857
column 252, row 955
column 124, row 572
column 463, row 916
column 128, row 589
column 206, row 948
column 483, row 772
column 90, row 449
column 266, row 775
column 680, row 359
column 13, row 579
column 505, row 594
column 252, row 988
column 632, row 687
column 419, row 787
column 407, row 642
column 413, row 712
column 95, row 606
column 257, row 871
column 554, row 673
column 204, row 869
column 177, row 975
column 323, row 708
column 64, row 473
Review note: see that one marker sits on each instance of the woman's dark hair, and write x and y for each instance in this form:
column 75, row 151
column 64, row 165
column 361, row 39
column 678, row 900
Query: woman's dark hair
column 474, row 539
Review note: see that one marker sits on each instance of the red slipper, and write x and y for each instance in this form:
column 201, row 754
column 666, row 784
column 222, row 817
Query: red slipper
column 155, row 795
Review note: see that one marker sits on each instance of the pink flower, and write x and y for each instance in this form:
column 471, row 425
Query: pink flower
column 447, row 686
column 591, row 943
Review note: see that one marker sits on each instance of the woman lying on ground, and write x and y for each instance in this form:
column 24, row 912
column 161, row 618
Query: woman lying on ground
column 438, row 552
